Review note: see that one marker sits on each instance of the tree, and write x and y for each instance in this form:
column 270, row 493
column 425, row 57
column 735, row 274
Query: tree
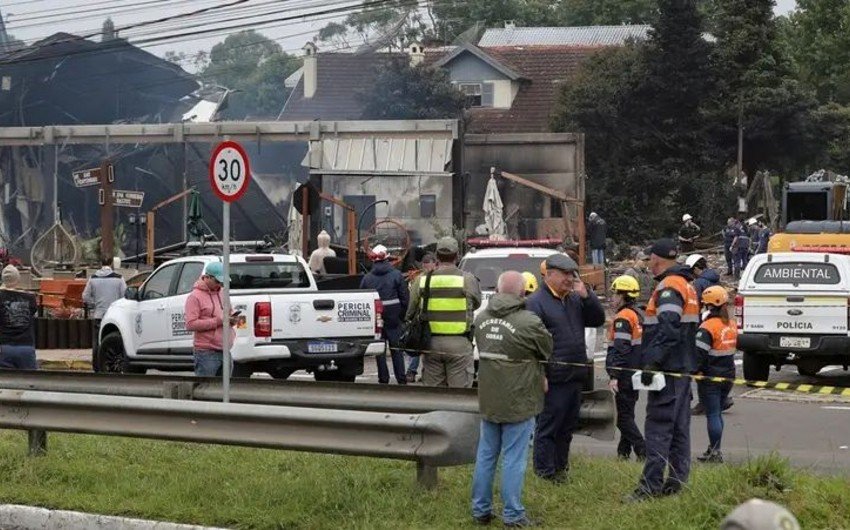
column 756, row 89
column 402, row 91
column 394, row 25
column 254, row 67
column 606, row 12
column 650, row 153
column 820, row 45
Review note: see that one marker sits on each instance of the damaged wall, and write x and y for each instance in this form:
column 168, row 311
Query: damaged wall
column 555, row 160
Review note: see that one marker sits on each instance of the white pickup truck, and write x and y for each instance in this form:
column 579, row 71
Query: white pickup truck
column 286, row 323
column 794, row 308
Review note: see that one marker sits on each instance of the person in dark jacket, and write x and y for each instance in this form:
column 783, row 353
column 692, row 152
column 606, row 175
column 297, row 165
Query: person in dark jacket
column 669, row 342
column 730, row 232
column 688, row 233
column 716, row 345
column 389, row 283
column 763, row 238
column 597, row 231
column 512, row 342
column 624, row 344
column 17, row 323
column 566, row 307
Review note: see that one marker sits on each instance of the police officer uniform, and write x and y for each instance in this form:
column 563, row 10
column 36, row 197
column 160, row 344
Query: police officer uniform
column 624, row 338
column 454, row 297
column 669, row 341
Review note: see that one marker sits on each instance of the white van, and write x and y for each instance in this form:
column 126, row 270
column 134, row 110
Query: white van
column 793, row 308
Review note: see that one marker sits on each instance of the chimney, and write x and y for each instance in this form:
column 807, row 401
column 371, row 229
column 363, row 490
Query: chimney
column 417, row 53
column 510, row 24
column 311, row 69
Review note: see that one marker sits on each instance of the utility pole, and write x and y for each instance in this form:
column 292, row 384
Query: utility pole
column 740, row 178
column 107, row 239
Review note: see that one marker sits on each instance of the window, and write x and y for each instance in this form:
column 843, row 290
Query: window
column 188, row 276
column 159, row 284
column 488, row 270
column 427, row 206
column 268, row 276
column 472, row 91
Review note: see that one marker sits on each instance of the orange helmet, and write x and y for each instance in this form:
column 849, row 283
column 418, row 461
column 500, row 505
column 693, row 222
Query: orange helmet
column 715, row 296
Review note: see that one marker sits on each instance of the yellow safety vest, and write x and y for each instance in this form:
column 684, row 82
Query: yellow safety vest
column 447, row 307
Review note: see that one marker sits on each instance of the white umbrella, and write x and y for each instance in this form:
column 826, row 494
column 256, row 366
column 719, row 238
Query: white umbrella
column 493, row 208
column 295, row 221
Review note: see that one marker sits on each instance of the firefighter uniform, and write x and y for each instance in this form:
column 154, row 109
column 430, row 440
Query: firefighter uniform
column 741, row 252
column 624, row 339
column 669, row 339
column 455, row 296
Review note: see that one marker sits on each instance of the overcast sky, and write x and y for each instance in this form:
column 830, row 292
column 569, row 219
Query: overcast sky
column 31, row 20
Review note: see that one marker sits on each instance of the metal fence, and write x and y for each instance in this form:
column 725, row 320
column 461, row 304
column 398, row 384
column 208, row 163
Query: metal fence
column 433, row 427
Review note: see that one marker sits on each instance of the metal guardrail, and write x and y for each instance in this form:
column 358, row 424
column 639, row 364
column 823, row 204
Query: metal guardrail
column 431, row 439
column 596, row 416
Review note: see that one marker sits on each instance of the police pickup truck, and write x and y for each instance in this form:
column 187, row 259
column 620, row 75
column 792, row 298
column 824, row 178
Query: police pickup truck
column 285, row 323
column 793, row 309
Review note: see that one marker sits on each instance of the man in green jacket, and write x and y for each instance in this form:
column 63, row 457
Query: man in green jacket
column 511, row 384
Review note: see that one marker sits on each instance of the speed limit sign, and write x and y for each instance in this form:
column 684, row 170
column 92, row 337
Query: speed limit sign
column 230, row 171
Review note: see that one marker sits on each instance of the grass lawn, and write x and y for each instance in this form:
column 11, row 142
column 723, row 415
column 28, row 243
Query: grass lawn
column 253, row 488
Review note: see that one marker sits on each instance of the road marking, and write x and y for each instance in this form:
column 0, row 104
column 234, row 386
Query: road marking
column 835, row 408
column 738, row 362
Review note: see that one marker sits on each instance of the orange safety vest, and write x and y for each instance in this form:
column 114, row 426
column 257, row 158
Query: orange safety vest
column 631, row 316
column 690, row 310
column 724, row 337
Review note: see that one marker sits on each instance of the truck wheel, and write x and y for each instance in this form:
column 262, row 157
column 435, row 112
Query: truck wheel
column 243, row 370
column 111, row 357
column 756, row 367
column 334, row 376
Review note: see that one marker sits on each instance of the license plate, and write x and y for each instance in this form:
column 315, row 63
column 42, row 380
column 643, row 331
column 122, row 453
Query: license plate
column 795, row 342
column 322, row 347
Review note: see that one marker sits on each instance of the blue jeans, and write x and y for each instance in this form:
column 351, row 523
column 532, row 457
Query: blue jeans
column 413, row 367
column 208, row 363
column 17, row 357
column 510, row 440
column 597, row 256
column 715, row 395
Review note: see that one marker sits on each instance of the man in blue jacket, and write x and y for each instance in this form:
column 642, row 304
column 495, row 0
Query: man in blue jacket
column 566, row 307
column 392, row 289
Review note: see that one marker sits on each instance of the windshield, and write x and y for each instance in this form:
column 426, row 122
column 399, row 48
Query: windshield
column 487, row 270
column 268, row 275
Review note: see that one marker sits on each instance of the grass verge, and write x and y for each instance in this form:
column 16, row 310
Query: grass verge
column 253, row 488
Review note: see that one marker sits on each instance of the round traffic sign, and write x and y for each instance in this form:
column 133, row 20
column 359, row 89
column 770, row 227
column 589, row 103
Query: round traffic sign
column 230, row 171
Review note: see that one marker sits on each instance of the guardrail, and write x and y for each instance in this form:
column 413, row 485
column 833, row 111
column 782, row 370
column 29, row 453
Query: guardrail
column 596, row 416
column 432, row 439
column 432, row 426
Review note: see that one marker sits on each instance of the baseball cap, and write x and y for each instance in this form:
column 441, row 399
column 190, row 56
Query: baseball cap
column 215, row 269
column 665, row 248
column 561, row 262
column 447, row 245
column 756, row 514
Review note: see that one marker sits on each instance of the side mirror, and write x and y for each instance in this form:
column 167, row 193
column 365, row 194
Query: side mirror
column 132, row 293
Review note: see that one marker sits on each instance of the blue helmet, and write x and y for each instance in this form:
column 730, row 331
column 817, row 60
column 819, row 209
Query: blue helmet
column 215, row 269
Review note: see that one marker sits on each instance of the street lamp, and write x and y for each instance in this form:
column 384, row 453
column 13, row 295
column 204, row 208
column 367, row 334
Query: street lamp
column 138, row 220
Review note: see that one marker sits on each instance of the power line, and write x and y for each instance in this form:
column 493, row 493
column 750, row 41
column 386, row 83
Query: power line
column 190, row 35
column 60, row 11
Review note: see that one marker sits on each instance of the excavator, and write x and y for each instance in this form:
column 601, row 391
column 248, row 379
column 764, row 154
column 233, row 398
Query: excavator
column 815, row 218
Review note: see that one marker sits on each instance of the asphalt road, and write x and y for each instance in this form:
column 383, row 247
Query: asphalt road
column 812, row 431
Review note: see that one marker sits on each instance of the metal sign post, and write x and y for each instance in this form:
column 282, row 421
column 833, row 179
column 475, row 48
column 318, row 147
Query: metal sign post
column 230, row 174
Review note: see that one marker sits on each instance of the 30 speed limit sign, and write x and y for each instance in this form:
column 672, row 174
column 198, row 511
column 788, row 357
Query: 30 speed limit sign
column 230, row 171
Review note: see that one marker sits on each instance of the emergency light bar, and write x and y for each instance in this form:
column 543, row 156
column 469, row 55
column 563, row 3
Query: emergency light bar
column 510, row 243
column 819, row 250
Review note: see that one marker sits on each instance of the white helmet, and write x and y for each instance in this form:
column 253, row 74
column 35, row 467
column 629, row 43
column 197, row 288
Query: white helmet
column 756, row 514
column 379, row 253
column 693, row 259
column 751, row 221
column 686, row 217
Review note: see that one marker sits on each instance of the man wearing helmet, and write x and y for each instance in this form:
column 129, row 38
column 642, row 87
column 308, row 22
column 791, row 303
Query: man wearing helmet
column 688, row 233
column 392, row 289
column 624, row 342
column 716, row 342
